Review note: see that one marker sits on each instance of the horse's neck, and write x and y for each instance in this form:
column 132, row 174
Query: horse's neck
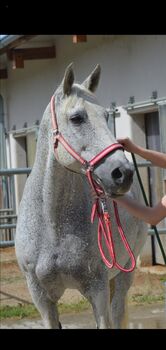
column 59, row 187
column 42, row 149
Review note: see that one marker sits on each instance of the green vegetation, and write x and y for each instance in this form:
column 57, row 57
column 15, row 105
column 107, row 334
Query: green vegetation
column 163, row 279
column 146, row 299
column 29, row 311
column 11, row 279
column 22, row 311
column 82, row 305
column 18, row 312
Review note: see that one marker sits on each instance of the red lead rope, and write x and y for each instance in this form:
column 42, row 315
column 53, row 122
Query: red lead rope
column 99, row 207
column 104, row 229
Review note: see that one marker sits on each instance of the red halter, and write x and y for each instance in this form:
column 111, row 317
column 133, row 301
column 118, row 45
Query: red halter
column 99, row 207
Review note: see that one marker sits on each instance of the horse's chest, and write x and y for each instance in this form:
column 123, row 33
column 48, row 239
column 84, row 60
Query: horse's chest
column 71, row 252
column 71, row 256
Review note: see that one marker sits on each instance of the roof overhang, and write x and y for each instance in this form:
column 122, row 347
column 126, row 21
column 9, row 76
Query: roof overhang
column 13, row 41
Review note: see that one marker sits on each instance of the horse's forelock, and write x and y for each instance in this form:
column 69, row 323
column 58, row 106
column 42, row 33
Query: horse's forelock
column 78, row 95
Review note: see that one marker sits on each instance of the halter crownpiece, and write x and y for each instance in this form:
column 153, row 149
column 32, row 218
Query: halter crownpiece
column 99, row 207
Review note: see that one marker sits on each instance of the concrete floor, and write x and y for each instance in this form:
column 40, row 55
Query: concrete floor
column 140, row 317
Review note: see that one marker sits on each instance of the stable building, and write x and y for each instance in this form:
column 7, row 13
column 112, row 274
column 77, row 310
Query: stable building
column 132, row 87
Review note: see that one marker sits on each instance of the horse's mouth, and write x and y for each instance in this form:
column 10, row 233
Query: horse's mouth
column 117, row 194
column 111, row 193
column 114, row 195
column 106, row 193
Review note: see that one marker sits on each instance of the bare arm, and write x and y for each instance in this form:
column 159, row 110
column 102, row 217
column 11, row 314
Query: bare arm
column 157, row 158
column 151, row 215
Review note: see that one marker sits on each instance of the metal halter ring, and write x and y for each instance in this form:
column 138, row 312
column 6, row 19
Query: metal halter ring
column 88, row 166
column 55, row 132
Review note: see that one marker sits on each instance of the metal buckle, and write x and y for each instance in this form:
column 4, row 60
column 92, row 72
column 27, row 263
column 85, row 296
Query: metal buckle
column 55, row 132
column 103, row 205
column 87, row 166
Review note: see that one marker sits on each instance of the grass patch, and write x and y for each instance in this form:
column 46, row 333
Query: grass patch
column 82, row 305
column 146, row 299
column 29, row 311
column 13, row 279
column 18, row 312
column 163, row 279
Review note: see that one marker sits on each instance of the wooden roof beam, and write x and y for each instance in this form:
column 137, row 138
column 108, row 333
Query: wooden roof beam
column 15, row 43
column 19, row 55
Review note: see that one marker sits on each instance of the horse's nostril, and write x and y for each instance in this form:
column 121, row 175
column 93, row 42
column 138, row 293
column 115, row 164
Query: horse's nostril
column 130, row 174
column 116, row 173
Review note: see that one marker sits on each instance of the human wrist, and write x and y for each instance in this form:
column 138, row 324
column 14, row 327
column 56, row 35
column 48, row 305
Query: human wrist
column 138, row 150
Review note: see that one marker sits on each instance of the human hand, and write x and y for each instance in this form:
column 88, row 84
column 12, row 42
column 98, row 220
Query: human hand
column 128, row 145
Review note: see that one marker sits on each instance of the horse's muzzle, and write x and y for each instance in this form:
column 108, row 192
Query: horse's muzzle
column 117, row 181
column 123, row 175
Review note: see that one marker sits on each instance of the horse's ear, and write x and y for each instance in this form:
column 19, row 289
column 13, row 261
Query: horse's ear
column 68, row 80
column 92, row 81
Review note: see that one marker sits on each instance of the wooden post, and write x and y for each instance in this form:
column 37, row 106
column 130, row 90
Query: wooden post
column 79, row 39
column 17, row 60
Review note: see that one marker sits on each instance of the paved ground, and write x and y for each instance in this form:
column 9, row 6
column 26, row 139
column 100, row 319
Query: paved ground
column 148, row 281
column 140, row 317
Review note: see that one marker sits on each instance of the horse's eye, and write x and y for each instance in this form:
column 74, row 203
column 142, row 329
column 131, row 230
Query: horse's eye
column 77, row 119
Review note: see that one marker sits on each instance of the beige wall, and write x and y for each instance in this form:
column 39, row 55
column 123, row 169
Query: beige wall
column 131, row 65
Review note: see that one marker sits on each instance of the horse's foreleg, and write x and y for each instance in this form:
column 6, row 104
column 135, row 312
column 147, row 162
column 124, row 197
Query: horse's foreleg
column 45, row 306
column 119, row 312
column 101, row 307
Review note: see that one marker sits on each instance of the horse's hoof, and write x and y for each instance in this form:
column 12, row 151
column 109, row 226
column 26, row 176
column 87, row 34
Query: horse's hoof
column 60, row 326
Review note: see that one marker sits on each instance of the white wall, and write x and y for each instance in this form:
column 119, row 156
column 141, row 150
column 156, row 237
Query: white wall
column 131, row 65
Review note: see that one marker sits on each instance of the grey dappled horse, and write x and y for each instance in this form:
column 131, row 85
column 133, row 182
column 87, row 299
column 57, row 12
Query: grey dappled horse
column 56, row 244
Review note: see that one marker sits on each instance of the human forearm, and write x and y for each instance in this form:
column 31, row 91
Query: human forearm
column 151, row 215
column 157, row 158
